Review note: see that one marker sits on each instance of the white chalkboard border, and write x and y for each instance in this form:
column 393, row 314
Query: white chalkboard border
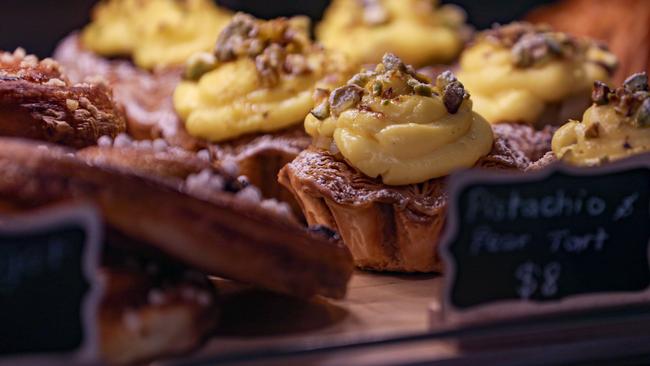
column 88, row 216
column 514, row 309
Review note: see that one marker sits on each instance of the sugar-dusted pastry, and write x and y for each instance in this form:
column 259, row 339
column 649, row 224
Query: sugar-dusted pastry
column 616, row 126
column 154, row 33
column 251, row 94
column 521, row 73
column 38, row 101
column 419, row 31
column 207, row 221
column 383, row 145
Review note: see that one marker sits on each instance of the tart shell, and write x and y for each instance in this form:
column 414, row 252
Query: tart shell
column 387, row 228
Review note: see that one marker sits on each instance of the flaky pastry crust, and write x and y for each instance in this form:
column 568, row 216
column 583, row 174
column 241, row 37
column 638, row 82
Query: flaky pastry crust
column 37, row 101
column 387, row 228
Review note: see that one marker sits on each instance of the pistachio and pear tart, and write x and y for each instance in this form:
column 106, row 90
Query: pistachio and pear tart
column 383, row 145
column 249, row 97
column 616, row 126
column 421, row 32
column 154, row 33
column 139, row 48
column 531, row 74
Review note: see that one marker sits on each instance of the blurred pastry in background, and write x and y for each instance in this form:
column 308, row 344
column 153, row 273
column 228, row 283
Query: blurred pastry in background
column 624, row 25
column 153, row 33
column 616, row 126
column 383, row 146
column 151, row 309
column 139, row 48
column 421, row 32
column 38, row 101
column 249, row 96
column 523, row 73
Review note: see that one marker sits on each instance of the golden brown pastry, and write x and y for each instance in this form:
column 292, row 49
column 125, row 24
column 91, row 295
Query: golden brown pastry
column 621, row 24
column 383, row 146
column 144, row 316
column 149, row 158
column 38, row 101
column 145, row 96
column 616, row 126
column 419, row 31
column 219, row 226
column 521, row 73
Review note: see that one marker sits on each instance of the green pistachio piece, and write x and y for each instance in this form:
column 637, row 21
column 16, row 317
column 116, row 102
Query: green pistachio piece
column 344, row 98
column 377, row 88
column 199, row 65
column 600, row 93
column 636, row 82
column 321, row 111
column 444, row 79
column 643, row 114
column 420, row 88
column 453, row 96
column 360, row 79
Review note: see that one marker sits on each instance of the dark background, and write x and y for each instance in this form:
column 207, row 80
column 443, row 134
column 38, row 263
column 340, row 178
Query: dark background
column 37, row 25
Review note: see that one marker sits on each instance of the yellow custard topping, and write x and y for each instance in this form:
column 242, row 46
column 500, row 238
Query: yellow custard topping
column 260, row 78
column 155, row 33
column 418, row 31
column 616, row 126
column 517, row 71
column 391, row 123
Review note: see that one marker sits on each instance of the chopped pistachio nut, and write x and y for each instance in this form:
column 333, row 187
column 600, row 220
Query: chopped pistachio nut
column 444, row 79
column 420, row 88
column 361, row 79
column 600, row 93
column 630, row 100
column 392, row 62
column 453, row 96
column 344, row 98
column 535, row 48
column 636, row 82
column 643, row 114
column 200, row 64
column 321, row 111
column 377, row 88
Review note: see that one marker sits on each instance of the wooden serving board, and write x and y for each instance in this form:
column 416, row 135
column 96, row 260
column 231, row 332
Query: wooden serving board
column 378, row 307
column 395, row 319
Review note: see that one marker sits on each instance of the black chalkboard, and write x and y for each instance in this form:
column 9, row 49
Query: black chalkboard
column 539, row 238
column 47, row 285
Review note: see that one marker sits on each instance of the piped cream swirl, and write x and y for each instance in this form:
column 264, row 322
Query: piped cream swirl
column 517, row 71
column 390, row 123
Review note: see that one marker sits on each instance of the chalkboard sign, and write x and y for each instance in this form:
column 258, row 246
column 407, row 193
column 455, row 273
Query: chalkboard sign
column 48, row 288
column 559, row 239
